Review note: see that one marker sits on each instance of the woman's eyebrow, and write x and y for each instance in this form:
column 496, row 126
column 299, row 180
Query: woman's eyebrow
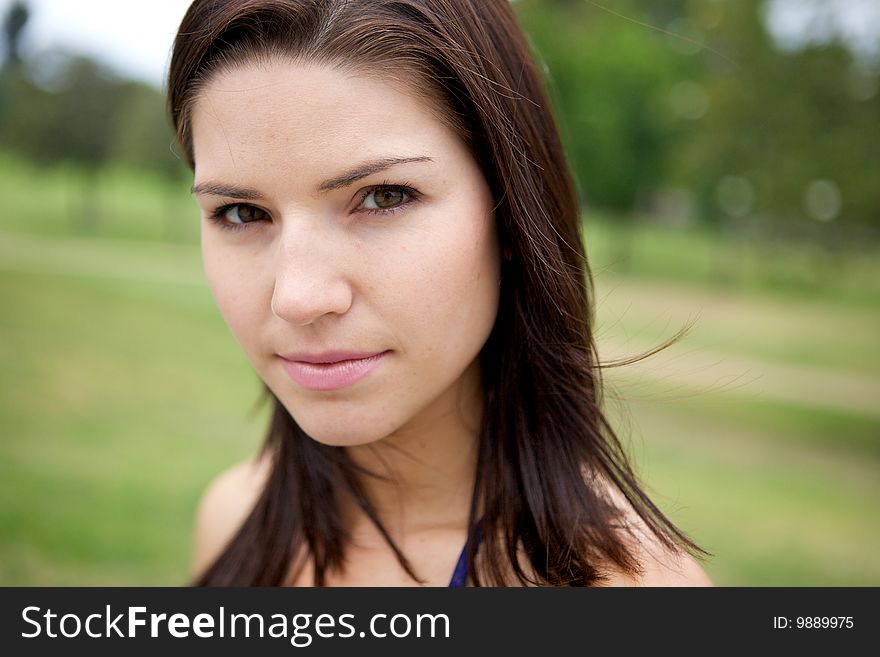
column 353, row 175
column 219, row 189
column 367, row 169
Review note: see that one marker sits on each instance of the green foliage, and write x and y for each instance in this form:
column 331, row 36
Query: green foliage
column 13, row 26
column 144, row 139
column 680, row 109
column 783, row 121
column 80, row 113
column 610, row 80
column 657, row 97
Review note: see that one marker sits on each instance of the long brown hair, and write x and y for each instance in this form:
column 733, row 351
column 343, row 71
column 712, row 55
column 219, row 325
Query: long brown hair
column 545, row 443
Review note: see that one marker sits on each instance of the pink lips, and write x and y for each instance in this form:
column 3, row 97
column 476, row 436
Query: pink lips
column 330, row 370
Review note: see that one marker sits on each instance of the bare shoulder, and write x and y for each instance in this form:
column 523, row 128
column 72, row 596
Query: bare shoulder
column 661, row 566
column 224, row 506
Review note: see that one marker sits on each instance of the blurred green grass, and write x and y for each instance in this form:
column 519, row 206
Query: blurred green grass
column 123, row 392
column 121, row 400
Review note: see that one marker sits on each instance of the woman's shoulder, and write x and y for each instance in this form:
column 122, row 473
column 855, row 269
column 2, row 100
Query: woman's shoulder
column 662, row 567
column 224, row 506
column 660, row 564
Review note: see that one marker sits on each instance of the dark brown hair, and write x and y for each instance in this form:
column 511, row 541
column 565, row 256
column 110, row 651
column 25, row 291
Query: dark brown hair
column 544, row 440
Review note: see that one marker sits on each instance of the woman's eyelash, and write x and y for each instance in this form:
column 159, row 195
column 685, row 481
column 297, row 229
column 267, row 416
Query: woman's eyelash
column 218, row 216
column 407, row 189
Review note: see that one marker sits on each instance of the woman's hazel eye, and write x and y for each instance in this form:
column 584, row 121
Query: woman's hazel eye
column 244, row 214
column 384, row 198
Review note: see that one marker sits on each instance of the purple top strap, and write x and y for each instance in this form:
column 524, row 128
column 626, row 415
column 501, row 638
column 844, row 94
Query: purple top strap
column 460, row 574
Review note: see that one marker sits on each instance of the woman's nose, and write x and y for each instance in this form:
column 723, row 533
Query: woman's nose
column 310, row 282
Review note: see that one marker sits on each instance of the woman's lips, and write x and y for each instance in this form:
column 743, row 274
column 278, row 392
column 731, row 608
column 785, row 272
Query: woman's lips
column 330, row 370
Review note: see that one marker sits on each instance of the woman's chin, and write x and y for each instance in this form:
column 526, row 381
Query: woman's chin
column 351, row 438
column 341, row 429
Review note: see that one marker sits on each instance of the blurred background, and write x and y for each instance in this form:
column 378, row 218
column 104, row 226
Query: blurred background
column 727, row 153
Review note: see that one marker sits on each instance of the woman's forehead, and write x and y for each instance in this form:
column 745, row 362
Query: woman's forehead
column 269, row 110
column 265, row 124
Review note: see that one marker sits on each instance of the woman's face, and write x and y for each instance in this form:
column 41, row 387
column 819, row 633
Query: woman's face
column 349, row 240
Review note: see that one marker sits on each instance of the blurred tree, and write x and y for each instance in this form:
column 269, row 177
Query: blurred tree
column 72, row 121
column 13, row 27
column 797, row 130
column 655, row 95
column 64, row 108
column 610, row 75
column 652, row 96
column 144, row 138
column 610, row 72
column 81, row 126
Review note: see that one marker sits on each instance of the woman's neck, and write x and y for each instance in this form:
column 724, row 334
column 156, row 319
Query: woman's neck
column 427, row 467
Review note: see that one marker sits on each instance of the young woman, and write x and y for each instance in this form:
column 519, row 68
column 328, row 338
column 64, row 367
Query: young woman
column 392, row 234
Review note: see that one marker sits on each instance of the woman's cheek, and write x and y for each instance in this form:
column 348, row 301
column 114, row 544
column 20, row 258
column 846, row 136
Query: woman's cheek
column 450, row 283
column 235, row 292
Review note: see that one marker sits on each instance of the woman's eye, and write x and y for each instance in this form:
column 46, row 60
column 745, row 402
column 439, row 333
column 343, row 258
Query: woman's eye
column 242, row 214
column 384, row 198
